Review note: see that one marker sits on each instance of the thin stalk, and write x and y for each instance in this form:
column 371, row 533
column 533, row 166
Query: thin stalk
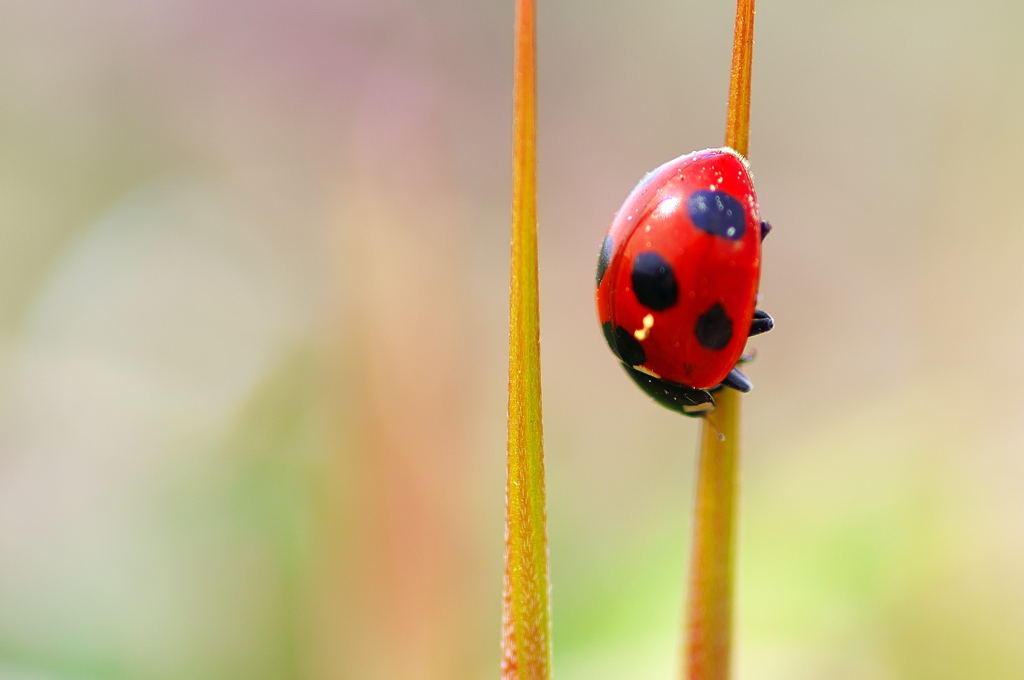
column 709, row 615
column 712, row 563
column 526, row 620
column 737, row 122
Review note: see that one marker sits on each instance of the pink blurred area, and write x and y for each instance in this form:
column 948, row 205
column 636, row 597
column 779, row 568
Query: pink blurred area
column 253, row 324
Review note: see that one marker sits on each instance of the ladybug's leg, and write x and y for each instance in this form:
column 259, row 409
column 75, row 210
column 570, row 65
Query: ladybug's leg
column 689, row 401
column 737, row 381
column 762, row 323
column 765, row 228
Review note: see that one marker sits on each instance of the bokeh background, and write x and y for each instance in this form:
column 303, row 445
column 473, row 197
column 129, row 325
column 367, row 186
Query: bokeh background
column 253, row 318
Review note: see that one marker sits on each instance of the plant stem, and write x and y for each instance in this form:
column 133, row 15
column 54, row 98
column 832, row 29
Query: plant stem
column 526, row 620
column 709, row 616
column 737, row 122
column 709, row 611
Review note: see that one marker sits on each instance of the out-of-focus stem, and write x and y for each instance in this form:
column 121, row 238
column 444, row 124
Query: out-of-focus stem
column 709, row 611
column 526, row 638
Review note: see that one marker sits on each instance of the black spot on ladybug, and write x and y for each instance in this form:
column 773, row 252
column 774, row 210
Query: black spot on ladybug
column 629, row 348
column 714, row 328
column 623, row 345
column 604, row 258
column 653, row 281
column 717, row 213
column 609, row 336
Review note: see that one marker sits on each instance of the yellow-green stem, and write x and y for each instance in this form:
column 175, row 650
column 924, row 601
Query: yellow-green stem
column 712, row 563
column 709, row 617
column 526, row 621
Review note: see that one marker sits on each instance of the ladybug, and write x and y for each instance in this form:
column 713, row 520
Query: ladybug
column 677, row 279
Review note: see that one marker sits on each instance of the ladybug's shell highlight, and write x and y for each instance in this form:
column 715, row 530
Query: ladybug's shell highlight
column 679, row 270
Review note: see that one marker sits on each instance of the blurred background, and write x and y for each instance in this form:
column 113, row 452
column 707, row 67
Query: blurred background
column 253, row 326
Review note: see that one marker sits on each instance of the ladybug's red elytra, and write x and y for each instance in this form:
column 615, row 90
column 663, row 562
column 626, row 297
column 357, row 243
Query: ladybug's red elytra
column 677, row 279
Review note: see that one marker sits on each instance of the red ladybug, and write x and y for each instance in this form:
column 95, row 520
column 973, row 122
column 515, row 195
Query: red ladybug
column 677, row 279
